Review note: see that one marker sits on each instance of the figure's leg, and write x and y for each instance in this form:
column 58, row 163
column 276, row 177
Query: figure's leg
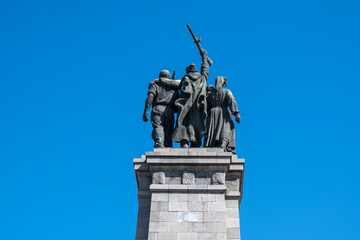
column 224, row 143
column 158, row 130
column 168, row 119
column 184, row 143
column 225, row 135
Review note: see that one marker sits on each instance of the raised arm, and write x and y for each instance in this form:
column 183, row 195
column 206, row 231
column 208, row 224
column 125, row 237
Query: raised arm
column 204, row 65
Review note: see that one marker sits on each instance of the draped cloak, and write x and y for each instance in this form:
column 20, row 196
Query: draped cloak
column 220, row 124
column 191, row 119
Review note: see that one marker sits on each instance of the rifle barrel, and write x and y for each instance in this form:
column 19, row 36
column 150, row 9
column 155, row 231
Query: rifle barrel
column 198, row 44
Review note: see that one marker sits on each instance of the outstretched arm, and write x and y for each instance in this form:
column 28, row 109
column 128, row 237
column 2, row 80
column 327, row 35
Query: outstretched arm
column 174, row 84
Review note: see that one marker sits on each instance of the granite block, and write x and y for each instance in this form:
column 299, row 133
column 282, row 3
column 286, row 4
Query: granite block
column 188, row 193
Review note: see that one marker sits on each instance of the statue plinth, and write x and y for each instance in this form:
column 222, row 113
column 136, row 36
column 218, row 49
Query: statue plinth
column 189, row 193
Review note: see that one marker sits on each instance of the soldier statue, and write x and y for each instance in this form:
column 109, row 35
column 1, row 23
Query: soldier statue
column 201, row 111
column 219, row 122
column 191, row 119
column 162, row 98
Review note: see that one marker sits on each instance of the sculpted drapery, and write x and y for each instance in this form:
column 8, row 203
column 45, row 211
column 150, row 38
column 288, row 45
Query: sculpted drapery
column 191, row 120
column 220, row 123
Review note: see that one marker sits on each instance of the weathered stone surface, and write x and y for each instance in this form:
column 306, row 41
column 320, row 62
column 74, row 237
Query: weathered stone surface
column 159, row 206
column 178, row 197
column 152, row 236
column 158, row 227
column 178, row 206
column 207, row 236
column 144, row 181
column 173, row 177
column 203, row 178
column 168, row 216
column 189, row 216
column 188, row 178
column 187, row 236
column 195, row 198
column 142, row 227
column 232, row 183
column 233, row 233
column 218, row 178
column 158, row 178
column 166, row 236
column 198, row 206
column 232, row 212
column 160, row 197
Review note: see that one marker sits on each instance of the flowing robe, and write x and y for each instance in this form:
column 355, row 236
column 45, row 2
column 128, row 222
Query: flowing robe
column 220, row 124
column 191, row 118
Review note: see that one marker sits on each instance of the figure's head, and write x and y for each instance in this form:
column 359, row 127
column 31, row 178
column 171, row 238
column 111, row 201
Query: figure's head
column 164, row 74
column 191, row 68
column 220, row 82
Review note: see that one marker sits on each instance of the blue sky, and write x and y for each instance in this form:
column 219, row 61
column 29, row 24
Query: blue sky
column 73, row 81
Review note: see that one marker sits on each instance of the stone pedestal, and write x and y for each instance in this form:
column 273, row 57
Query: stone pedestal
column 189, row 194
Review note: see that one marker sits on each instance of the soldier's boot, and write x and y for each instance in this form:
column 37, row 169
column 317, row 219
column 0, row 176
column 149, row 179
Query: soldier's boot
column 158, row 145
column 158, row 137
column 224, row 144
column 184, row 143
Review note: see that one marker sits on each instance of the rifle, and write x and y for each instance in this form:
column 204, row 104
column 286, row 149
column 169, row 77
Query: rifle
column 197, row 42
column 173, row 76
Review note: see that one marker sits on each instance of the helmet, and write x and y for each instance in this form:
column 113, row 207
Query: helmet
column 164, row 74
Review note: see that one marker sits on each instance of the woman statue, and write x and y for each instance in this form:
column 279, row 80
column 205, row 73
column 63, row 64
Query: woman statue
column 219, row 123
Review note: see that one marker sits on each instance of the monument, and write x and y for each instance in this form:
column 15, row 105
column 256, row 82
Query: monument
column 190, row 193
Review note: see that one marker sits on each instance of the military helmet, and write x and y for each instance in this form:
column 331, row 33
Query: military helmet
column 164, row 74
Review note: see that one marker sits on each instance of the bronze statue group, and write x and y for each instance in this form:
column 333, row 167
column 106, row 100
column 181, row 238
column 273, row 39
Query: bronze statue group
column 202, row 111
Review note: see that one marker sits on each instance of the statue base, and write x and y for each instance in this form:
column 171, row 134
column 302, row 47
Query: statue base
column 189, row 193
